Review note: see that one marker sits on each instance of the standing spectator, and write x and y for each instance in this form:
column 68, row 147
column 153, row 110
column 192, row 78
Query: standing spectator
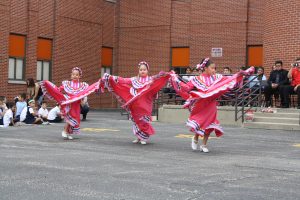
column 294, row 88
column 34, row 91
column 277, row 79
column 21, row 104
column 8, row 119
column 43, row 112
column 84, row 108
column 54, row 115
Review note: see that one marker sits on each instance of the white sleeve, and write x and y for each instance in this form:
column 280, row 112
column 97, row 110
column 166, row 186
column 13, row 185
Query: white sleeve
column 31, row 110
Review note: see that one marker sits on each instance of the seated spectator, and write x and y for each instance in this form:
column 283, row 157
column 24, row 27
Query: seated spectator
column 29, row 114
column 278, row 78
column 227, row 71
column 294, row 88
column 54, row 115
column 20, row 105
column 43, row 112
column 84, row 108
column 196, row 72
column 259, row 78
column 188, row 72
column 8, row 119
column 3, row 108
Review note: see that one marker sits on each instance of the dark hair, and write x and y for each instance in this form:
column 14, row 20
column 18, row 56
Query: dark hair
column 278, row 62
column 209, row 62
column 23, row 95
column 43, row 102
column 30, row 82
column 189, row 68
column 298, row 59
column 261, row 69
column 10, row 105
column 2, row 98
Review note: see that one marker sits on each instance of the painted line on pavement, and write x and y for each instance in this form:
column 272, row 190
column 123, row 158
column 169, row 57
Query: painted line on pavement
column 191, row 136
column 99, row 129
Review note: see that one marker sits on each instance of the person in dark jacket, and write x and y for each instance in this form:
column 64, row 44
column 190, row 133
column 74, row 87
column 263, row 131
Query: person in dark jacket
column 277, row 79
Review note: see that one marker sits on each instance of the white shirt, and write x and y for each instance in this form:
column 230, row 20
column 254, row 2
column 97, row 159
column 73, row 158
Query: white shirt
column 24, row 112
column 43, row 112
column 7, row 117
column 53, row 113
column 84, row 102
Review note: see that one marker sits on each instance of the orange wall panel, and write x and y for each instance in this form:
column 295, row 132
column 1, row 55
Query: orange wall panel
column 16, row 46
column 180, row 57
column 106, row 56
column 255, row 56
column 44, row 49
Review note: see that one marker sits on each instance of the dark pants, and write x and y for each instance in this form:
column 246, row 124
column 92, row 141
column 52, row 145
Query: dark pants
column 17, row 118
column 56, row 120
column 269, row 91
column 84, row 110
column 287, row 90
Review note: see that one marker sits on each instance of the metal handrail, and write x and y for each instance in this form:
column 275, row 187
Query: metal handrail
column 247, row 99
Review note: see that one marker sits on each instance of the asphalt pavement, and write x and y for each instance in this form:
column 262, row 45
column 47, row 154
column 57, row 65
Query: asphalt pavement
column 103, row 163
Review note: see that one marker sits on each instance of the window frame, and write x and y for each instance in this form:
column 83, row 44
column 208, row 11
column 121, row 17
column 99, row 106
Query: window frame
column 42, row 69
column 45, row 60
column 15, row 60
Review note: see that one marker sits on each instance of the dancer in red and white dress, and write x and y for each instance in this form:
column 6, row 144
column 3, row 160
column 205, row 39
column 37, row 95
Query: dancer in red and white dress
column 68, row 95
column 202, row 101
column 136, row 95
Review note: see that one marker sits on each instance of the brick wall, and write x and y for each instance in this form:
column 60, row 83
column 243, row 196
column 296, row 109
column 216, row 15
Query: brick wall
column 281, row 32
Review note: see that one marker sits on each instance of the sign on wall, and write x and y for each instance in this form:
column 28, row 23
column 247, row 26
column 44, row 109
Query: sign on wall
column 216, row 52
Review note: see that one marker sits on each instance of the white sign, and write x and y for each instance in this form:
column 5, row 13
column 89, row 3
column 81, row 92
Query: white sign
column 216, row 52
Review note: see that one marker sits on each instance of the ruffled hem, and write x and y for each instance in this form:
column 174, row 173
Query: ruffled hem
column 195, row 127
column 139, row 134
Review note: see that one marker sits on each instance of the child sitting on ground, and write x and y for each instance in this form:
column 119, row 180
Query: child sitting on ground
column 43, row 112
column 3, row 108
column 54, row 115
column 8, row 119
column 20, row 105
column 29, row 116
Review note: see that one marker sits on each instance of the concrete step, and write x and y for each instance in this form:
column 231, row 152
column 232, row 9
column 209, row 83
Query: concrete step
column 287, row 120
column 272, row 126
column 277, row 115
column 287, row 110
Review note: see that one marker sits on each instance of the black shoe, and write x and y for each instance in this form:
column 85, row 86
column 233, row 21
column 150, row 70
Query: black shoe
column 84, row 119
column 298, row 107
column 284, row 106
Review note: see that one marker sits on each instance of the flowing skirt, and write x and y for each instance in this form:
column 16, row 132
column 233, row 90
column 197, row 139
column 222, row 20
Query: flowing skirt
column 70, row 103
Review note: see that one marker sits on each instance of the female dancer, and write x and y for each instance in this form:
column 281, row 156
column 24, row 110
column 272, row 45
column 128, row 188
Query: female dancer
column 202, row 102
column 137, row 95
column 68, row 96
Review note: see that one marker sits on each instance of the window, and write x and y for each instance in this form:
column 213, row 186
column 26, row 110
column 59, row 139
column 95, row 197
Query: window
column 255, row 56
column 44, row 56
column 16, row 57
column 107, row 60
column 43, row 70
column 180, row 59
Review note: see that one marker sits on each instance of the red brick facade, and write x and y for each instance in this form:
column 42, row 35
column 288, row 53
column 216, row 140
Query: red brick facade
column 145, row 30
